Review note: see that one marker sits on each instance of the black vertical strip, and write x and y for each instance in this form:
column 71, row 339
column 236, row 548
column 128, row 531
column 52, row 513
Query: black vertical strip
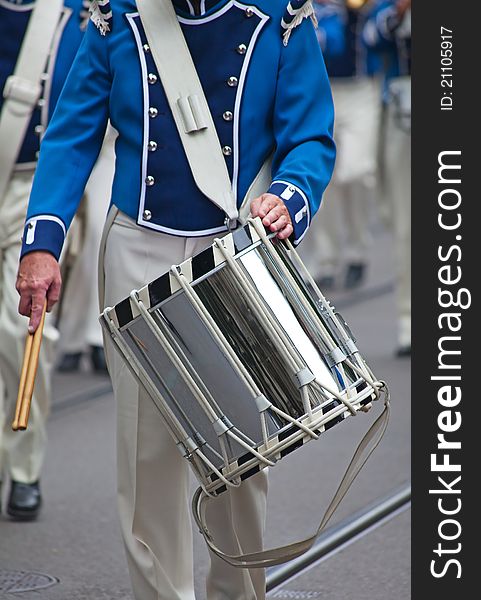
column 445, row 256
column 242, row 238
column 159, row 289
column 123, row 310
column 203, row 263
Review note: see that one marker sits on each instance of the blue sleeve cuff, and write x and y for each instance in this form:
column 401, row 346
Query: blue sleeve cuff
column 297, row 205
column 43, row 233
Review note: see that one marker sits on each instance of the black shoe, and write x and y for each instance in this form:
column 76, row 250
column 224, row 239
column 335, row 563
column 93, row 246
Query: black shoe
column 69, row 362
column 97, row 356
column 24, row 501
column 403, row 351
column 325, row 283
column 355, row 275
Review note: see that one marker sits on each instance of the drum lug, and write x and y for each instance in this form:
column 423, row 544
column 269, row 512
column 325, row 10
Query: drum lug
column 222, row 425
column 183, row 450
column 305, row 377
column 190, row 445
column 262, row 403
column 231, row 224
column 335, row 356
column 351, row 347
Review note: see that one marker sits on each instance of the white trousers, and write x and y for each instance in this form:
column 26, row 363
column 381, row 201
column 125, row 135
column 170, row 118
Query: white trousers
column 154, row 480
column 79, row 325
column 340, row 231
column 397, row 192
column 21, row 452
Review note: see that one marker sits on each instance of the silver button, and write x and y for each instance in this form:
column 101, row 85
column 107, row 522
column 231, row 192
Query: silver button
column 147, row 215
column 146, row 48
column 44, row 77
column 241, row 49
column 227, row 116
column 232, row 81
column 152, row 78
column 226, row 150
column 39, row 129
column 249, row 12
column 149, row 180
column 153, row 112
column 41, row 102
column 152, row 146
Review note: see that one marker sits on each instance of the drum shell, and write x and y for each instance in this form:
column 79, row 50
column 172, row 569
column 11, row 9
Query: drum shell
column 232, row 400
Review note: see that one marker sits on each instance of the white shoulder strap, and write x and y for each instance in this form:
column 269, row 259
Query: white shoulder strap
column 259, row 186
column 22, row 89
column 188, row 103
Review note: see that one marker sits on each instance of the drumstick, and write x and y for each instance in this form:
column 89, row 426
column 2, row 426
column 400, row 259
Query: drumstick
column 23, row 377
column 27, row 377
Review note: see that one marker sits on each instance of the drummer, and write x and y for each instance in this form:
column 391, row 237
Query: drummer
column 265, row 82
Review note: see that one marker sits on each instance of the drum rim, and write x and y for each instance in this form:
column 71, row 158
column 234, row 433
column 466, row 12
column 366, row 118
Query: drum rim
column 155, row 293
column 243, row 469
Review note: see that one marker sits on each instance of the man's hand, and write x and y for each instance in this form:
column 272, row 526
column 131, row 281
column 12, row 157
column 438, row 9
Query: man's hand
column 402, row 6
column 274, row 214
column 38, row 278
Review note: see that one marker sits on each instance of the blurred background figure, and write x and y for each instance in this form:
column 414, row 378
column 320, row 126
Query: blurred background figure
column 78, row 324
column 388, row 31
column 338, row 241
column 35, row 58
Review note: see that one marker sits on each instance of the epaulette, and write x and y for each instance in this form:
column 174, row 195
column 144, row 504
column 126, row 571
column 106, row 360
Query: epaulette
column 296, row 11
column 101, row 15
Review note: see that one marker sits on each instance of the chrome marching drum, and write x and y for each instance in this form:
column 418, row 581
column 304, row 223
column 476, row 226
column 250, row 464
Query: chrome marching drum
column 244, row 358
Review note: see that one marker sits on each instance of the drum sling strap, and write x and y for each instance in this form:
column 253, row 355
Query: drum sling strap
column 282, row 554
column 201, row 144
column 22, row 89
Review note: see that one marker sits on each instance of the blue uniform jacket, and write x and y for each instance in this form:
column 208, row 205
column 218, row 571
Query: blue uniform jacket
column 347, row 55
column 331, row 30
column 388, row 35
column 265, row 97
column 14, row 18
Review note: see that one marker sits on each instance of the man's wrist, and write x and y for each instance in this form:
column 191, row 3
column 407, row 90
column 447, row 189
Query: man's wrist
column 43, row 233
column 296, row 203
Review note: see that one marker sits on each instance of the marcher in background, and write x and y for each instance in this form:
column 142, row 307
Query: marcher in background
column 337, row 246
column 26, row 106
column 78, row 319
column 265, row 81
column 331, row 28
column 389, row 32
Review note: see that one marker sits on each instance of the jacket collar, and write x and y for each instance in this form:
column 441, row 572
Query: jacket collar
column 196, row 8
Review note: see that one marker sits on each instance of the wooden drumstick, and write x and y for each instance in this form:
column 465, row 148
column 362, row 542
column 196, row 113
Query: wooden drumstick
column 23, row 377
column 27, row 377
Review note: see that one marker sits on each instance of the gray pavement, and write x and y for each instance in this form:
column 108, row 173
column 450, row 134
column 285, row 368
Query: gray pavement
column 76, row 539
column 361, row 570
